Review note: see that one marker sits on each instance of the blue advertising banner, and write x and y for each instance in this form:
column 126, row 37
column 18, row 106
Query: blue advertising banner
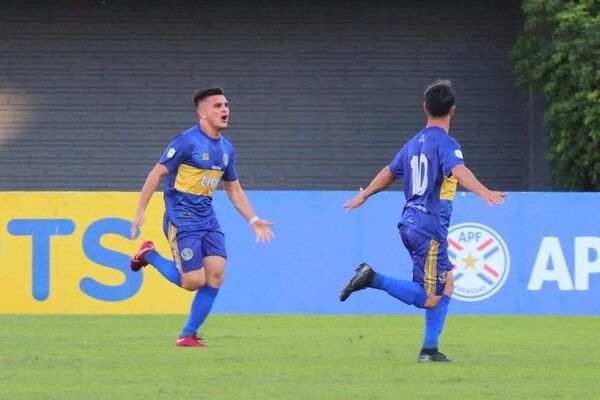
column 69, row 253
column 537, row 254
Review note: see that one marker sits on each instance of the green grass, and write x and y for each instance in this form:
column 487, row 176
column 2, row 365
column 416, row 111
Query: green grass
column 297, row 357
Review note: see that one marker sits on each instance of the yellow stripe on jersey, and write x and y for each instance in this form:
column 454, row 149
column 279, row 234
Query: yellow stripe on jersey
column 448, row 189
column 430, row 278
column 201, row 182
column 172, row 234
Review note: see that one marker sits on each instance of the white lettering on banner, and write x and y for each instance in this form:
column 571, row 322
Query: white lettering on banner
column 550, row 253
column 551, row 266
column 584, row 264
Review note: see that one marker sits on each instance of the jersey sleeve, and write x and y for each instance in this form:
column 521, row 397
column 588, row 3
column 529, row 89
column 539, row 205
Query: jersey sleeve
column 230, row 173
column 450, row 155
column 397, row 164
column 178, row 151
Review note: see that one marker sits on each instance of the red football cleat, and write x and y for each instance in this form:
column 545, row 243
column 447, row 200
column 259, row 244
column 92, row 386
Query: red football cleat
column 190, row 341
column 137, row 260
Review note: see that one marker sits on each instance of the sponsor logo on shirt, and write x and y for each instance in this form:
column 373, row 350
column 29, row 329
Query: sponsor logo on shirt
column 171, row 152
column 209, row 182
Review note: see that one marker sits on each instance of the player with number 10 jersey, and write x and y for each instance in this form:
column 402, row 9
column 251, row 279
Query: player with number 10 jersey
column 432, row 165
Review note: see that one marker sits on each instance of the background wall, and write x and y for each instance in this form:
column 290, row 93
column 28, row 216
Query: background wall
column 322, row 94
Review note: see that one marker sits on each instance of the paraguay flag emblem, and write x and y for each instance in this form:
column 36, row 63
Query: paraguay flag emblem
column 481, row 261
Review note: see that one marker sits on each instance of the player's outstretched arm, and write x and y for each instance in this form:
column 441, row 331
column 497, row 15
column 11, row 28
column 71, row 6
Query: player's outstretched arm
column 382, row 180
column 152, row 181
column 261, row 227
column 467, row 179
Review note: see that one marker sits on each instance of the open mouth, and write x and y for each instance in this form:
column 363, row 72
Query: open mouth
column 224, row 118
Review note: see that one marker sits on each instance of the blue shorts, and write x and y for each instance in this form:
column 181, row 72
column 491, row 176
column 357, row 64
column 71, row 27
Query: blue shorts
column 430, row 260
column 189, row 247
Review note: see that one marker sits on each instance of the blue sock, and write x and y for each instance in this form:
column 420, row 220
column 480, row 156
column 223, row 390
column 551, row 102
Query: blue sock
column 408, row 292
column 203, row 302
column 434, row 323
column 167, row 268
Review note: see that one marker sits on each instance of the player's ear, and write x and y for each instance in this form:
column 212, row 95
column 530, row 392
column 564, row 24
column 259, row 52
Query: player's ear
column 201, row 112
column 425, row 109
column 452, row 110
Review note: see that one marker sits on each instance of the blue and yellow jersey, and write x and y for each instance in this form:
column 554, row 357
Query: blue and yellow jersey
column 426, row 162
column 196, row 164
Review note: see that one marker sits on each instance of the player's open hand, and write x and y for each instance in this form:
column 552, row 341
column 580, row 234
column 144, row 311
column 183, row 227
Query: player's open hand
column 356, row 201
column 493, row 198
column 262, row 230
column 140, row 218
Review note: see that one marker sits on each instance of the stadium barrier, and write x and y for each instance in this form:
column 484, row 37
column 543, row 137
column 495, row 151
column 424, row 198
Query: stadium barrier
column 68, row 252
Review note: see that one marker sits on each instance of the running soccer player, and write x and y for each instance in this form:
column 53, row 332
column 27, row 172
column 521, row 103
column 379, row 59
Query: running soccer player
column 431, row 164
column 194, row 164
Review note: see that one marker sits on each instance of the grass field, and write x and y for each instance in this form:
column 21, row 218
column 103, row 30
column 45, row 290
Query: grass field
column 297, row 357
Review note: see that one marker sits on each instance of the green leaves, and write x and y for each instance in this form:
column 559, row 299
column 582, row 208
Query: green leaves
column 559, row 54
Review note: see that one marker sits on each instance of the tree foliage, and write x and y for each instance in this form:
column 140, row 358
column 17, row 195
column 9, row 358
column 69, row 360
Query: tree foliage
column 559, row 54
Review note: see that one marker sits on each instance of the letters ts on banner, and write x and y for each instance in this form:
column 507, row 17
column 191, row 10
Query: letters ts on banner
column 41, row 232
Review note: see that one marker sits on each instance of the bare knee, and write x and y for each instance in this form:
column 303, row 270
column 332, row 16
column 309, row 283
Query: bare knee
column 191, row 286
column 215, row 270
column 193, row 281
column 432, row 301
column 215, row 279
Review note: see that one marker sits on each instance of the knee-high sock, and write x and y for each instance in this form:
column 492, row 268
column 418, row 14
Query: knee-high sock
column 167, row 268
column 201, row 306
column 434, row 323
column 408, row 292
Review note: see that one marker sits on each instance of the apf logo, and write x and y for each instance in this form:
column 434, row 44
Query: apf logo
column 481, row 261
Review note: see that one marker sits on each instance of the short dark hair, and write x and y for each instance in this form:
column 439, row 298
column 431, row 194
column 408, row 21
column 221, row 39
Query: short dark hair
column 440, row 97
column 204, row 93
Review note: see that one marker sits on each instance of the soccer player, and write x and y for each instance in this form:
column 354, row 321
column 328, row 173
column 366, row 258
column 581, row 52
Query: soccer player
column 194, row 164
column 431, row 164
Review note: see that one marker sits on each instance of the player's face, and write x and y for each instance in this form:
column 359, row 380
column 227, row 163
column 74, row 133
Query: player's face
column 214, row 110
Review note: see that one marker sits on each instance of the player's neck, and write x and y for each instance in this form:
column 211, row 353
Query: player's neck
column 210, row 131
column 443, row 123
